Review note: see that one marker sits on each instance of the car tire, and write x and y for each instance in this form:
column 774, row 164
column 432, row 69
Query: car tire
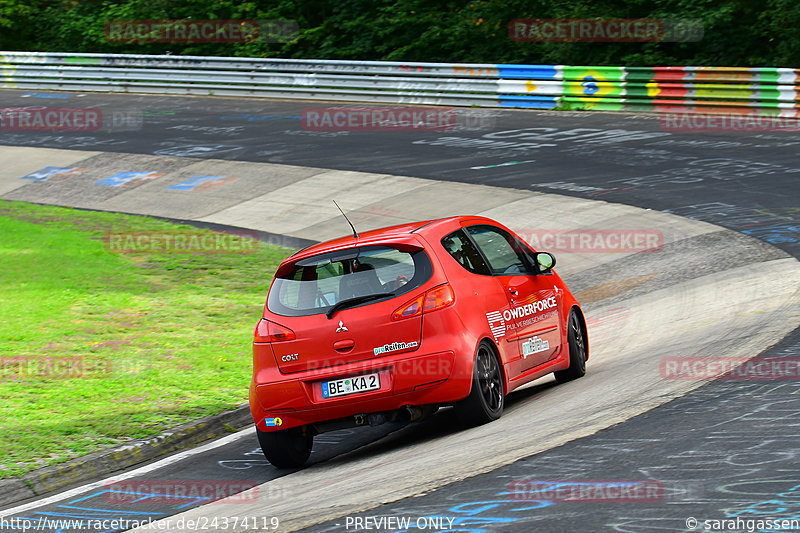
column 289, row 448
column 577, row 351
column 486, row 399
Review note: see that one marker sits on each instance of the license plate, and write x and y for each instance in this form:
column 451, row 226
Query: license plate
column 354, row 385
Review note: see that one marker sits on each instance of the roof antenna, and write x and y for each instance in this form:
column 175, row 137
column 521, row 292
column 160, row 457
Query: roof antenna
column 355, row 233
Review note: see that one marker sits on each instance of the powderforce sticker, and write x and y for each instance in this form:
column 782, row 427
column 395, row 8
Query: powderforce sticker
column 521, row 316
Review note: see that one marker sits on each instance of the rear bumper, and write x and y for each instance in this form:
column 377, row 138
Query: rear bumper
column 410, row 378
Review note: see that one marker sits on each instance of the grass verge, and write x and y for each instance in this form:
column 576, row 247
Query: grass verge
column 98, row 347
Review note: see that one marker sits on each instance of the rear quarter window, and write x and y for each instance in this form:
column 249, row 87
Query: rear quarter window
column 460, row 248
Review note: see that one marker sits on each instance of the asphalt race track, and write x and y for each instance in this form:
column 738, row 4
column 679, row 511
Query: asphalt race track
column 726, row 449
column 744, row 181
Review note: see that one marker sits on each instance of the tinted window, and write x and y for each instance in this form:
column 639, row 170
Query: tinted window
column 317, row 283
column 500, row 248
column 464, row 252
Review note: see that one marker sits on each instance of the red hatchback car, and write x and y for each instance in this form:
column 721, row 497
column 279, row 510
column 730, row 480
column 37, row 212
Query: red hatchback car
column 393, row 323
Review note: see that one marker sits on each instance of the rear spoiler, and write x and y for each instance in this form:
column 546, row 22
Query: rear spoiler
column 406, row 244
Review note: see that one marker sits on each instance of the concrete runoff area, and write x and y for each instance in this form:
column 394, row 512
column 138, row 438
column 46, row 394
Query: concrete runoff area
column 237, row 182
column 694, row 298
column 22, row 161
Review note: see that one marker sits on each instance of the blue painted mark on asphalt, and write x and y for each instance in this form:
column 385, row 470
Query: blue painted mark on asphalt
column 124, row 178
column 101, row 511
column 776, row 234
column 46, row 95
column 90, row 514
column 148, row 496
column 44, row 174
column 204, row 182
column 469, row 517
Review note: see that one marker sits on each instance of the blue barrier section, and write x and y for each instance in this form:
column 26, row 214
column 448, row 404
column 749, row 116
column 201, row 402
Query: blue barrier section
column 528, row 72
column 521, row 100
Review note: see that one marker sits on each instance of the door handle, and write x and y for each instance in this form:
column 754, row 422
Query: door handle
column 513, row 292
column 344, row 345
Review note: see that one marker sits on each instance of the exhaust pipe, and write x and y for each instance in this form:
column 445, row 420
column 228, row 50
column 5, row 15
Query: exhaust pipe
column 407, row 413
column 413, row 413
column 373, row 419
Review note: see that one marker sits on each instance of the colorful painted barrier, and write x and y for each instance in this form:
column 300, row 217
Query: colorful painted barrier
column 729, row 90
column 770, row 91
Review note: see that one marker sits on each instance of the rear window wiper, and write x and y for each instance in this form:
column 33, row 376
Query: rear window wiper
column 350, row 302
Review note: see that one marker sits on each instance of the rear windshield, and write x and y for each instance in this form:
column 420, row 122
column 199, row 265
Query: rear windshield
column 317, row 283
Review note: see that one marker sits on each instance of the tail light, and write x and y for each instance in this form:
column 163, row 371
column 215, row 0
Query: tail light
column 411, row 309
column 267, row 331
column 436, row 298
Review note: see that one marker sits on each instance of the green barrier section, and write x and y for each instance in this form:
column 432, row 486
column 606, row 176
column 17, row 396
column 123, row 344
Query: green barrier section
column 596, row 73
column 734, row 90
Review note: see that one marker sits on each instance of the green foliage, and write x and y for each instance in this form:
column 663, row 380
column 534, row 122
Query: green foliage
column 736, row 32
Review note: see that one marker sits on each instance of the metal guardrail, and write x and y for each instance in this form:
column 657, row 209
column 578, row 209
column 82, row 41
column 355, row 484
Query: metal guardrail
column 704, row 89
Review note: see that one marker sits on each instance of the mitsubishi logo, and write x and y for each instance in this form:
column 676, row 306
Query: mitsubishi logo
column 341, row 327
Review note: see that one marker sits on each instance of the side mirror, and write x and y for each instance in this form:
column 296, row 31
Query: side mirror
column 545, row 262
